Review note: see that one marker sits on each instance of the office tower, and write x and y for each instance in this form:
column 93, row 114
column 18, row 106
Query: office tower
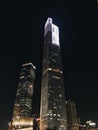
column 22, row 110
column 73, row 123
column 53, row 107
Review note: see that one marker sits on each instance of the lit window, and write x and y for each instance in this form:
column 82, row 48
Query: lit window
column 60, row 95
column 58, row 115
column 47, row 70
column 55, row 107
column 30, row 86
column 21, row 77
column 56, row 70
column 61, row 72
column 54, row 114
column 55, row 77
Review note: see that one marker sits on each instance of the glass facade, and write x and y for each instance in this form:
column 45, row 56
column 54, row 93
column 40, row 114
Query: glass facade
column 53, row 107
column 25, row 89
column 22, row 111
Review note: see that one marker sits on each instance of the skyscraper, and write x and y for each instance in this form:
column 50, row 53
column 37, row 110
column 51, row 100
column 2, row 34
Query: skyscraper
column 22, row 110
column 73, row 123
column 53, row 108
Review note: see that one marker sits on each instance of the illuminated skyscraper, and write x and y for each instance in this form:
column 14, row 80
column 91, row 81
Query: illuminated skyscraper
column 53, row 108
column 22, row 110
column 73, row 123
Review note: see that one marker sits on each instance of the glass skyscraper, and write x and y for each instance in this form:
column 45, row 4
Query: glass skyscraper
column 22, row 110
column 73, row 123
column 53, row 107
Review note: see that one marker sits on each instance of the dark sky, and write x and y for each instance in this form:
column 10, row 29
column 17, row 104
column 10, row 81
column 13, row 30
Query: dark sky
column 21, row 40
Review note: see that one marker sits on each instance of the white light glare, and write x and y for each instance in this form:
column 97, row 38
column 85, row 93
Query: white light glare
column 55, row 35
column 50, row 27
column 92, row 124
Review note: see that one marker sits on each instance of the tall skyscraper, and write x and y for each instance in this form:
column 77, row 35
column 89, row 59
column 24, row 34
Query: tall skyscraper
column 73, row 123
column 53, row 107
column 22, row 110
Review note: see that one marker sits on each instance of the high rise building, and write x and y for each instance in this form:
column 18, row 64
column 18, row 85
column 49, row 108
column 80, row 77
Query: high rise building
column 22, row 110
column 53, row 107
column 73, row 123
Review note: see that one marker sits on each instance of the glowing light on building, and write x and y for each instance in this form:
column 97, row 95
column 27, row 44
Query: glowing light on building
column 55, row 35
column 90, row 123
column 50, row 27
column 23, row 121
column 38, row 119
column 29, row 64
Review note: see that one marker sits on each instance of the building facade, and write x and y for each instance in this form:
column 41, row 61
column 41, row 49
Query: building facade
column 53, row 107
column 73, row 123
column 22, row 110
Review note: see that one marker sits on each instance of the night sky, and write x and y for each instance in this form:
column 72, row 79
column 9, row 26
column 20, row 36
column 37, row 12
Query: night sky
column 21, row 41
